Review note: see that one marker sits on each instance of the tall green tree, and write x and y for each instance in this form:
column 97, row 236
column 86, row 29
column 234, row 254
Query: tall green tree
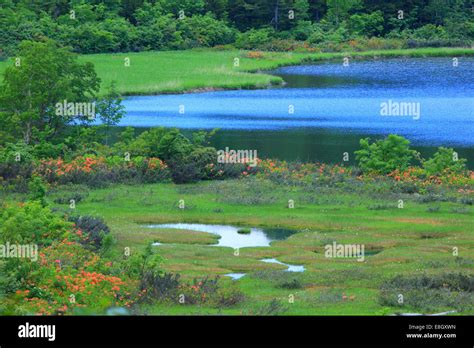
column 110, row 109
column 339, row 10
column 42, row 76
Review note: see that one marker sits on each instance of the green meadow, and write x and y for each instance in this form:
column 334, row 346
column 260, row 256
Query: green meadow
column 415, row 240
column 209, row 69
column 425, row 242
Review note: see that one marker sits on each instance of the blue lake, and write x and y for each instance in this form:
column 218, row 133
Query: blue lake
column 324, row 109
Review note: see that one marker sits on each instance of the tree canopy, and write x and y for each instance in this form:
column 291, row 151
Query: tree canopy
column 135, row 25
column 43, row 76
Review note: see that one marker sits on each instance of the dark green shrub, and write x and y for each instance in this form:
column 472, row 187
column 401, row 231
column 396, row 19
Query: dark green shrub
column 227, row 297
column 94, row 227
column 466, row 200
column 16, row 165
column 157, row 287
column 274, row 307
column 429, row 292
column 193, row 167
column 292, row 284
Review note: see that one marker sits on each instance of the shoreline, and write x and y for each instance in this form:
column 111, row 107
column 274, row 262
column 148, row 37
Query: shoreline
column 309, row 58
column 196, row 71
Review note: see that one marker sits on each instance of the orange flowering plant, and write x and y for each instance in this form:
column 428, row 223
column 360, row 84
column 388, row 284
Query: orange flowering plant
column 92, row 169
column 69, row 279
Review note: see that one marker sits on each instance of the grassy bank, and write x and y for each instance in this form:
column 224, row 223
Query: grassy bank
column 195, row 70
column 416, row 240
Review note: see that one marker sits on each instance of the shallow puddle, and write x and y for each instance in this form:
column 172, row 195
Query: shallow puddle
column 235, row 276
column 291, row 268
column 231, row 238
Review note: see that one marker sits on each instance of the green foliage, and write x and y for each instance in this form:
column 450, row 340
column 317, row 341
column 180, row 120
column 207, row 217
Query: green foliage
column 31, row 223
column 385, row 156
column 94, row 229
column 303, row 30
column 428, row 292
column 193, row 166
column 254, row 38
column 37, row 190
column 16, row 152
column 205, row 31
column 156, row 142
column 142, row 263
column 110, row 109
column 138, row 25
column 339, row 10
column 445, row 159
column 366, row 24
column 16, row 164
column 43, row 76
column 244, row 230
column 292, row 284
column 274, row 307
column 159, row 287
column 430, row 32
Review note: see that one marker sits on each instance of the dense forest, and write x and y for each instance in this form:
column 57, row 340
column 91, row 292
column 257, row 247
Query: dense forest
column 279, row 25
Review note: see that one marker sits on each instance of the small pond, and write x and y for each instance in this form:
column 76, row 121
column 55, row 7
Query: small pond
column 229, row 237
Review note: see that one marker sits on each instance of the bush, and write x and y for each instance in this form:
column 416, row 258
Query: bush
column 430, row 32
column 31, row 223
column 274, row 307
column 303, row 30
column 292, row 284
column 445, row 159
column 254, row 38
column 204, row 30
column 37, row 190
column 366, row 24
column 193, row 167
column 429, row 292
column 199, row 290
column 159, row 287
column 63, row 269
column 244, row 230
column 384, row 156
column 16, row 165
column 227, row 297
column 97, row 171
column 94, row 228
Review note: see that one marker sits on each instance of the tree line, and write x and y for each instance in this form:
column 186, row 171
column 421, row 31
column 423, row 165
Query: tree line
column 137, row 25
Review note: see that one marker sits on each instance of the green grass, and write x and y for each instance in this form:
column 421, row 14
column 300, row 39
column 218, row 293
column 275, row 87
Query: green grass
column 406, row 241
column 244, row 230
column 201, row 70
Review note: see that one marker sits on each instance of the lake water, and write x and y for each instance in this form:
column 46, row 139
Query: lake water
column 324, row 109
column 229, row 237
